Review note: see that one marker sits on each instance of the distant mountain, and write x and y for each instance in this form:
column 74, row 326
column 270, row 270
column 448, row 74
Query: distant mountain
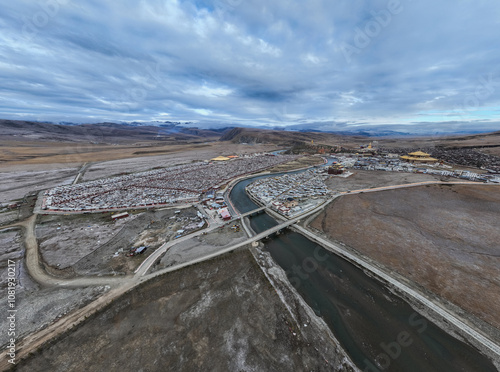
column 173, row 132
column 101, row 132
column 285, row 138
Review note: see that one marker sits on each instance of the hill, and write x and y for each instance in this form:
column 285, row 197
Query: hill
column 15, row 130
column 287, row 138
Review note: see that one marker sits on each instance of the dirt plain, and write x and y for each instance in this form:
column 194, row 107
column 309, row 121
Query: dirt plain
column 64, row 240
column 10, row 182
column 442, row 237
column 302, row 162
column 8, row 216
column 202, row 245
column 363, row 179
column 221, row 315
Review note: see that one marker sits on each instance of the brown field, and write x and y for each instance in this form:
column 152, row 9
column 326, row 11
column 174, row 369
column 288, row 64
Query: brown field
column 305, row 161
column 221, row 315
column 442, row 237
column 70, row 153
column 16, row 154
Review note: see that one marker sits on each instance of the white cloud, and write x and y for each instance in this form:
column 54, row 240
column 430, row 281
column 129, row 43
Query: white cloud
column 243, row 62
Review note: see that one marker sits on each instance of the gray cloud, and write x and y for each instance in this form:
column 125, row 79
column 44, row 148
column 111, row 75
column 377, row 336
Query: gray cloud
column 256, row 62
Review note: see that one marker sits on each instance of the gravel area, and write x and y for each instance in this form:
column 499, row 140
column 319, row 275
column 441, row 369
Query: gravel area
column 37, row 309
column 11, row 248
column 8, row 217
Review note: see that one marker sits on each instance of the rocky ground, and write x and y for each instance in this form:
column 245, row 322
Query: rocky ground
column 221, row 315
column 442, row 237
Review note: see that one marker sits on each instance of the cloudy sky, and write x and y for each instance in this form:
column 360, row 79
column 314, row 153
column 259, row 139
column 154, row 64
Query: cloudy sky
column 332, row 64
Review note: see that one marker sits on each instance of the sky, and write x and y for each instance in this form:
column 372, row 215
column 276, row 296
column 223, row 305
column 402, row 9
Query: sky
column 320, row 64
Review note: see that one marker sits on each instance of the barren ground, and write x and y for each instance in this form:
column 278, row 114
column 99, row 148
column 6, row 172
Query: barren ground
column 443, row 237
column 7, row 217
column 15, row 184
column 201, row 245
column 63, row 240
column 362, row 179
column 305, row 161
column 11, row 248
column 92, row 244
column 36, row 306
column 222, row 315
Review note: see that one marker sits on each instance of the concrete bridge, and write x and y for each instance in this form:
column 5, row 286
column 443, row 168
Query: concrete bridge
column 144, row 268
column 253, row 212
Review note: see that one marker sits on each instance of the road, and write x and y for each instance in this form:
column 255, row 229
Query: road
column 452, row 318
column 383, row 188
column 81, row 172
column 40, row 275
column 250, row 240
column 148, row 262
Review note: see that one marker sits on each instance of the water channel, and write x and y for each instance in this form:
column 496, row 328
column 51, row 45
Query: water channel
column 379, row 330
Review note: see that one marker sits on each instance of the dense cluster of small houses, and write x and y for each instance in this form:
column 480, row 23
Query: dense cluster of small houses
column 178, row 184
column 286, row 194
column 394, row 164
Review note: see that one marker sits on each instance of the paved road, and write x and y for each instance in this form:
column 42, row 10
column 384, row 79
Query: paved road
column 414, row 185
column 80, row 172
column 143, row 270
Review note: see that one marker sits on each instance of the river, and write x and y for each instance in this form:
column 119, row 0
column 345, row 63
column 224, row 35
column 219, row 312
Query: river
column 379, row 330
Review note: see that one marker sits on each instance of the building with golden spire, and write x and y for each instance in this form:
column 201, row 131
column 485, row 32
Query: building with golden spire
column 419, row 157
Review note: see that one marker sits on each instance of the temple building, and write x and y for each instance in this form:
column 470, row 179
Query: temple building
column 419, row 157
